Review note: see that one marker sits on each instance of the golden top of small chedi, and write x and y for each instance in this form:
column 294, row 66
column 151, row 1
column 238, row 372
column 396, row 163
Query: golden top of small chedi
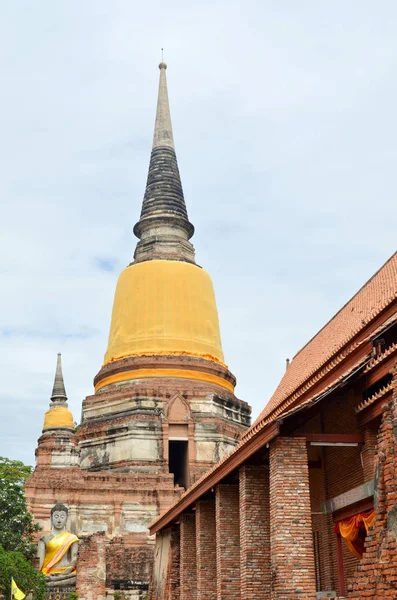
column 59, row 416
column 57, row 445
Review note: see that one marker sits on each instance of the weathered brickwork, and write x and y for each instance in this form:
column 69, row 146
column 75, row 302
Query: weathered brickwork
column 376, row 575
column 254, row 533
column 91, row 571
column 292, row 559
column 227, row 542
column 206, row 550
column 188, row 568
column 127, row 562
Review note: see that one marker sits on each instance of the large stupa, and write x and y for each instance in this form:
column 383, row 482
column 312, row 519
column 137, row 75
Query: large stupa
column 164, row 408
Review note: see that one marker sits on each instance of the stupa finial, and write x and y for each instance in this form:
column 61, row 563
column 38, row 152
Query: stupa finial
column 164, row 229
column 58, row 391
column 163, row 127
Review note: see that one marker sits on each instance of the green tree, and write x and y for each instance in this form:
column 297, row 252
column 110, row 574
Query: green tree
column 28, row 579
column 16, row 524
column 17, row 532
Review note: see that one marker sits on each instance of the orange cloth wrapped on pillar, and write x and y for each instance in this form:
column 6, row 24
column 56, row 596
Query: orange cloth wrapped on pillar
column 354, row 531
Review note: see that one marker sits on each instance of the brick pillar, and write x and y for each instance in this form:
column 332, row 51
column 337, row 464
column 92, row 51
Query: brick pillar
column 255, row 533
column 227, row 542
column 188, row 557
column 368, row 453
column 291, row 538
column 206, row 550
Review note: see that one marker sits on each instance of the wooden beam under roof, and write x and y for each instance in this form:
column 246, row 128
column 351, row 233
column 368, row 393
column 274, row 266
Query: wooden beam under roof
column 331, row 438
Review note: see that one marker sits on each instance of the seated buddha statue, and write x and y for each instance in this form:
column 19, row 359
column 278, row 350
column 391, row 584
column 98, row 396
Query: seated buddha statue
column 57, row 551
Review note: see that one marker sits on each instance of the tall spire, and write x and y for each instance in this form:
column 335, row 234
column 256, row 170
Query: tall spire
column 163, row 229
column 58, row 391
column 163, row 127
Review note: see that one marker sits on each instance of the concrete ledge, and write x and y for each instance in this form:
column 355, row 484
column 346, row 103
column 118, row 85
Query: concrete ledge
column 357, row 494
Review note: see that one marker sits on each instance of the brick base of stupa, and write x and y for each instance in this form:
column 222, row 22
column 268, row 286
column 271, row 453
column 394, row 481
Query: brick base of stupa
column 114, row 472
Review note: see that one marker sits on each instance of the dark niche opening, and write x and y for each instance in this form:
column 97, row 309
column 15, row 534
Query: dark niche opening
column 178, row 462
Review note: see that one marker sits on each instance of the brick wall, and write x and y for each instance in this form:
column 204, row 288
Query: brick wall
column 292, row 560
column 188, row 569
column 206, row 549
column 376, row 575
column 91, row 568
column 128, row 562
column 254, row 533
column 227, row 542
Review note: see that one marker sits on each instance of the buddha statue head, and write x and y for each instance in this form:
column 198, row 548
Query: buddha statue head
column 59, row 516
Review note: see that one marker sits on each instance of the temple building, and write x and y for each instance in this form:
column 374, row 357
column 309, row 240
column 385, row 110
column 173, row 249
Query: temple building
column 164, row 409
column 305, row 507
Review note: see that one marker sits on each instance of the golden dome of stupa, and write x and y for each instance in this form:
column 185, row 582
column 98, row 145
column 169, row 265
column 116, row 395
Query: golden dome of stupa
column 58, row 417
column 164, row 307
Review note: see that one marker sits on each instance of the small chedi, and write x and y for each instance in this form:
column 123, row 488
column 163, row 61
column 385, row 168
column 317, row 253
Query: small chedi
column 57, row 551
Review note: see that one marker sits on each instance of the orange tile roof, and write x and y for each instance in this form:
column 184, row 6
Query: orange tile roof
column 367, row 303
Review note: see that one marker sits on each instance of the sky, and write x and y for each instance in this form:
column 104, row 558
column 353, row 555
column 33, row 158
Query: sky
column 285, row 126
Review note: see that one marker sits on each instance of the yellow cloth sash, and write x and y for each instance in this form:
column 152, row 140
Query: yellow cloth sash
column 56, row 550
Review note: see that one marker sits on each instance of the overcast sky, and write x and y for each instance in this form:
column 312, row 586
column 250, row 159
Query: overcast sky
column 284, row 117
